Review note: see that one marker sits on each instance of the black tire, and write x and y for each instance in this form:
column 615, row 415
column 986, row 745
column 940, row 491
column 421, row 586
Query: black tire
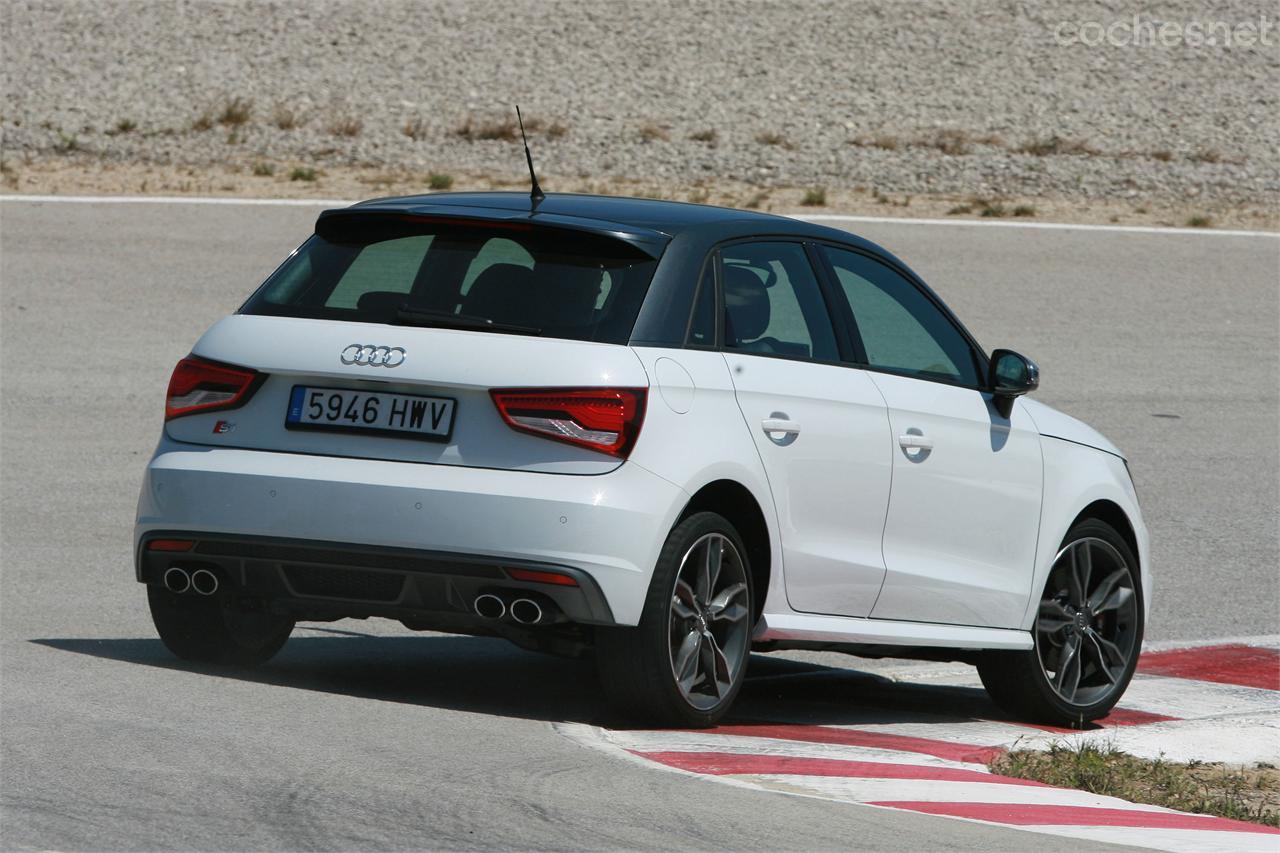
column 637, row 665
column 1021, row 682
column 207, row 630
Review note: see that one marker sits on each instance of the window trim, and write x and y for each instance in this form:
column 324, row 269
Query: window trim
column 981, row 363
column 711, row 263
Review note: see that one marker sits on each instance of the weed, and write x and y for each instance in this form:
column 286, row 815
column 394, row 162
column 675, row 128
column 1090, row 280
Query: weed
column 285, row 117
column 346, row 125
column 1140, row 210
column 302, row 173
column 556, row 130
column 235, row 112
column 756, row 200
column 1200, row 221
column 1024, row 210
column 67, row 143
column 126, row 125
column 772, row 138
column 439, row 181
column 506, row 129
column 959, row 210
column 1244, row 794
column 203, row 122
column 1162, row 156
column 415, row 129
column 653, row 133
column 995, row 210
column 1206, row 155
column 263, row 170
column 709, row 136
column 815, row 197
column 1056, row 145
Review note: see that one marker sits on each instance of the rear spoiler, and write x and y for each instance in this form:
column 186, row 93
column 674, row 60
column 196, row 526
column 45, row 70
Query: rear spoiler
column 647, row 241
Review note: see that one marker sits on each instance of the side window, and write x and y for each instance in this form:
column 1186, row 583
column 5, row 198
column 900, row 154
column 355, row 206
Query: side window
column 901, row 329
column 773, row 305
column 702, row 328
column 389, row 266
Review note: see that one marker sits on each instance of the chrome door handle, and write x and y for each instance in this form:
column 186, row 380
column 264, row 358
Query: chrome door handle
column 914, row 442
column 779, row 425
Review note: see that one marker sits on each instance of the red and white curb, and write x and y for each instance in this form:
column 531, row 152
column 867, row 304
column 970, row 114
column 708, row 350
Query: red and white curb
column 1179, row 704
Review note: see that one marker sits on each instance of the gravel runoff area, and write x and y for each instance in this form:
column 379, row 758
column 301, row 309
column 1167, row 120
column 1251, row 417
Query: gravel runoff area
column 967, row 108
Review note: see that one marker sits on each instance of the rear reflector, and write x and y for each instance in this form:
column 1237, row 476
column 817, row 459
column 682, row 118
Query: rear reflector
column 535, row 576
column 603, row 419
column 170, row 545
column 205, row 386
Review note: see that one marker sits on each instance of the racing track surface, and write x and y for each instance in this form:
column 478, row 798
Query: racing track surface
column 363, row 735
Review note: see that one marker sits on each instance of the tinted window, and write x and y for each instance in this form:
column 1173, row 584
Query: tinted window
column 901, row 329
column 367, row 268
column 773, row 304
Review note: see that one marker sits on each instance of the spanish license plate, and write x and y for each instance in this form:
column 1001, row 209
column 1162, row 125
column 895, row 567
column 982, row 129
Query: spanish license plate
column 405, row 415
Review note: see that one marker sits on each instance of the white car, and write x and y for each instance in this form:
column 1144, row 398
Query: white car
column 661, row 434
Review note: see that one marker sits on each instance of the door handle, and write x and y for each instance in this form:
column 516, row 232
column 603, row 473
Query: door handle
column 915, row 442
column 780, row 425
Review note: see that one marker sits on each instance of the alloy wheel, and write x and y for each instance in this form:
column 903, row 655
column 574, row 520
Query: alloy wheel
column 708, row 622
column 1086, row 629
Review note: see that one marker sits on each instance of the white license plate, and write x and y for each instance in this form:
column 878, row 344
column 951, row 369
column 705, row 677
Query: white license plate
column 405, row 415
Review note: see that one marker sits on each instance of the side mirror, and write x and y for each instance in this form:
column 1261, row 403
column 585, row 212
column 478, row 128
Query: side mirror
column 1012, row 375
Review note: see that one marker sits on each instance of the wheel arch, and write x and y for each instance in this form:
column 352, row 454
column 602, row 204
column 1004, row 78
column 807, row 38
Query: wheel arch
column 736, row 503
column 1112, row 513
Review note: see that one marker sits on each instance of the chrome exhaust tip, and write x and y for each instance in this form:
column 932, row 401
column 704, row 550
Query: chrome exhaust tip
column 204, row 581
column 489, row 606
column 526, row 611
column 177, row 580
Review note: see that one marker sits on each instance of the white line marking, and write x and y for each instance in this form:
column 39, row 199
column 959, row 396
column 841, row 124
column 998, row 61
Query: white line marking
column 171, row 199
column 808, row 217
column 1044, row 226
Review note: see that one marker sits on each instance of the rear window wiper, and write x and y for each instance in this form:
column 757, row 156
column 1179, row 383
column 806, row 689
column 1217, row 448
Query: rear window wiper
column 445, row 320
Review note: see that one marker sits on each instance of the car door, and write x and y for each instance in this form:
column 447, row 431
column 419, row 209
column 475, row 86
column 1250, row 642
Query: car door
column 819, row 425
column 963, row 521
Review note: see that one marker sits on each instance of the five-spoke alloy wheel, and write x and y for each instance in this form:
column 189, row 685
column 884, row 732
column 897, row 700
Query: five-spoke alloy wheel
column 685, row 662
column 1088, row 632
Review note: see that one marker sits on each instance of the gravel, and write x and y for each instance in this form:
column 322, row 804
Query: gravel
column 906, row 97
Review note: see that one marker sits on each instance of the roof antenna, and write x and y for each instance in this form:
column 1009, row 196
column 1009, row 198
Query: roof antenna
column 535, row 193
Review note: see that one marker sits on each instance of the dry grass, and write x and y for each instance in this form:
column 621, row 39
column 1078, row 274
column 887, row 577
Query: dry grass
column 1206, row 155
column 126, row 125
column 815, row 197
column 1250, row 794
column 263, row 170
column 415, row 129
column 556, row 130
column 1162, row 156
column 235, row 112
column 345, row 125
column 1024, row 210
column 303, row 173
column 504, row 129
column 773, row 138
column 1200, row 220
column 710, row 136
column 1052, row 145
column 286, row 117
column 203, row 122
column 654, row 133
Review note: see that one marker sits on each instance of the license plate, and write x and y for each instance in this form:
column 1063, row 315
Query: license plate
column 404, row 415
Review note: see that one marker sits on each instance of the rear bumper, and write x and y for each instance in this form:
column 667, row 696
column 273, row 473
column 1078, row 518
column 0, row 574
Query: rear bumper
column 609, row 528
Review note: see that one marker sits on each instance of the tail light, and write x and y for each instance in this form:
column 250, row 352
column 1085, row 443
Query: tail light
column 205, row 386
column 604, row 419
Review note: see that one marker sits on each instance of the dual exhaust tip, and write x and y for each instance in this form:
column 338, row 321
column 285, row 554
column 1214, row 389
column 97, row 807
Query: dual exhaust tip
column 201, row 581
column 524, row 611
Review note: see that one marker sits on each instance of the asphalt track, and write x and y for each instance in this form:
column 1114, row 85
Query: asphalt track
column 362, row 735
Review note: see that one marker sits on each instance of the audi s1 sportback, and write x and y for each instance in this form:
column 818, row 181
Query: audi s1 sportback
column 663, row 435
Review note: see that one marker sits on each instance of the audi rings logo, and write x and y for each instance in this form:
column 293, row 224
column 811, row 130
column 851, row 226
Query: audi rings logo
column 368, row 355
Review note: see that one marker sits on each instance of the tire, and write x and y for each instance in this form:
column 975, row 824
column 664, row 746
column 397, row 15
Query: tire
column 683, row 625
column 1051, row 683
column 205, row 630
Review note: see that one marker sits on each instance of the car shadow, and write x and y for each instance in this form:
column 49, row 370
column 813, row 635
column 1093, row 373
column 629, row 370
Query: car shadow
column 491, row 676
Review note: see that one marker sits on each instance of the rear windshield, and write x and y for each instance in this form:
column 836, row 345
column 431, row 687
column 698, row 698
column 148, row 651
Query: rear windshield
column 417, row 271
